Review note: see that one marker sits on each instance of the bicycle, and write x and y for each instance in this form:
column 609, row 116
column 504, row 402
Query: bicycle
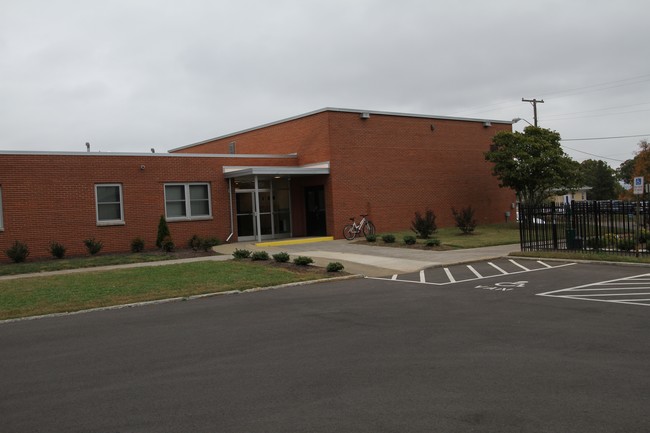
column 365, row 226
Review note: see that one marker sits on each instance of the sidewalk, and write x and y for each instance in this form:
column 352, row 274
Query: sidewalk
column 376, row 261
column 371, row 261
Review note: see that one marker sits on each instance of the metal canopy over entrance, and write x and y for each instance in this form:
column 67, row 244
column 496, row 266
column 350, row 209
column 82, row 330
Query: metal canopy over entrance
column 263, row 199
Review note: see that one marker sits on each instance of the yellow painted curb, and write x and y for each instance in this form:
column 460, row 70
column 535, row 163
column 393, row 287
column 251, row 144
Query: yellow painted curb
column 294, row 241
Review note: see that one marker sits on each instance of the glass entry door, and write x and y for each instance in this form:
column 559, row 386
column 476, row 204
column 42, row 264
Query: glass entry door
column 247, row 212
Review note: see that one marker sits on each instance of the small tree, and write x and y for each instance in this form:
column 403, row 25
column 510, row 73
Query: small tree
column 464, row 219
column 532, row 163
column 424, row 226
column 163, row 231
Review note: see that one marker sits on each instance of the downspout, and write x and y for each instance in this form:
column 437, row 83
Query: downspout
column 232, row 228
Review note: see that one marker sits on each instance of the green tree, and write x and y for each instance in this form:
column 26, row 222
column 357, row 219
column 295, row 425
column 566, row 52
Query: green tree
column 601, row 178
column 163, row 231
column 532, row 163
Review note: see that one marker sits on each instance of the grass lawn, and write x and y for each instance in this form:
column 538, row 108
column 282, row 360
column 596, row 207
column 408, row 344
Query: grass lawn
column 451, row 237
column 65, row 293
column 83, row 262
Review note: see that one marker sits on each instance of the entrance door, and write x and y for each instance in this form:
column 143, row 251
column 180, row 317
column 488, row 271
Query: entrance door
column 315, row 211
column 246, row 215
column 247, row 228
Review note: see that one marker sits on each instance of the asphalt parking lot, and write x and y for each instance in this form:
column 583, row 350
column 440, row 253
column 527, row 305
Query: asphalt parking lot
column 549, row 348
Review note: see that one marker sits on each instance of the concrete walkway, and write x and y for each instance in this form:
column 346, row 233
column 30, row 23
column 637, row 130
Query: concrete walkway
column 375, row 261
column 372, row 261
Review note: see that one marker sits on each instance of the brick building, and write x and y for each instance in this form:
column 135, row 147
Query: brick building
column 303, row 176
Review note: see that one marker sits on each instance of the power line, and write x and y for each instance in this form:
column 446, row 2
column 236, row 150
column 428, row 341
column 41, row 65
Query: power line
column 569, row 92
column 593, row 154
column 604, row 138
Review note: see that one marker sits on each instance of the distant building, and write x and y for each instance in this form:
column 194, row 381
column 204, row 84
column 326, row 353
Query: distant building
column 579, row 194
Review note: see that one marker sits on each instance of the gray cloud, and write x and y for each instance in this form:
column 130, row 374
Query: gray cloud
column 130, row 75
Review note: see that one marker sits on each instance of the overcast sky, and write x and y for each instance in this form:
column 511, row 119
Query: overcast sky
column 129, row 75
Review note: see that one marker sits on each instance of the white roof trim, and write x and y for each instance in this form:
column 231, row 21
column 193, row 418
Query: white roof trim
column 154, row 155
column 305, row 170
column 342, row 110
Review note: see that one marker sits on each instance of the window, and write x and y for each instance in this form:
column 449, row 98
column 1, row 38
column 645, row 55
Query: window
column 187, row 201
column 110, row 209
column 1, row 221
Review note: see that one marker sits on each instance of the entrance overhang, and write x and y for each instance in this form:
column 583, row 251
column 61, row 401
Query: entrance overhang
column 305, row 170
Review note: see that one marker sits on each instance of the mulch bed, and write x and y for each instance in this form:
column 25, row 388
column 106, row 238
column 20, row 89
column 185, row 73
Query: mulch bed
column 400, row 244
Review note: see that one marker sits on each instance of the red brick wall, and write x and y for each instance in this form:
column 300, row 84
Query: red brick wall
column 52, row 198
column 391, row 166
column 308, row 136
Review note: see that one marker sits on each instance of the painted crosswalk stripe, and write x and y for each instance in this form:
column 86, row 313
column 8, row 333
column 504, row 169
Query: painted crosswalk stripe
column 517, row 264
column 451, row 277
column 544, row 264
column 471, row 268
column 422, row 279
column 497, row 268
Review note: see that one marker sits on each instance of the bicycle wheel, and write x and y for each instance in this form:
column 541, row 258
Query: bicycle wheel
column 369, row 228
column 349, row 232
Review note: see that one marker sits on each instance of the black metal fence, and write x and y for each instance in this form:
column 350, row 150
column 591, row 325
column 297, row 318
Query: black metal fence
column 619, row 227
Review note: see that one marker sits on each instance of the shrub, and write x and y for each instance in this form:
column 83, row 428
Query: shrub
column 465, row 219
column 424, row 226
column 163, row 231
column 167, row 244
column 241, row 254
column 409, row 240
column 596, row 243
column 93, row 246
column 137, row 245
column 281, row 257
column 195, row 242
column 433, row 242
column 371, row 237
column 388, row 239
column 57, row 250
column 644, row 235
column 18, row 252
column 626, row 244
column 260, row 255
column 334, row 267
column 610, row 239
column 209, row 243
column 303, row 261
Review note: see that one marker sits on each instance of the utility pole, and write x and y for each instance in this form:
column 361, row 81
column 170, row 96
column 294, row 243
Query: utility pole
column 534, row 103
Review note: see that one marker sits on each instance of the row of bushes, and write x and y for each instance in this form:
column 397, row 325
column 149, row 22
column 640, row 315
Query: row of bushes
column 408, row 240
column 425, row 225
column 19, row 251
column 283, row 258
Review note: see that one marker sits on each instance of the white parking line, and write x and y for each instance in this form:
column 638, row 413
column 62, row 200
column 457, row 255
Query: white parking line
column 497, row 268
column 519, row 265
column 422, row 279
column 544, row 264
column 471, row 268
column 451, row 277
column 615, row 290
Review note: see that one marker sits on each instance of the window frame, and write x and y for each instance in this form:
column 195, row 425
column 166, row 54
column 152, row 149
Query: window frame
column 188, row 201
column 112, row 222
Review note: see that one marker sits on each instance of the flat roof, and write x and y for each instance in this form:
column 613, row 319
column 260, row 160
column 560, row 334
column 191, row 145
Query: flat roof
column 342, row 110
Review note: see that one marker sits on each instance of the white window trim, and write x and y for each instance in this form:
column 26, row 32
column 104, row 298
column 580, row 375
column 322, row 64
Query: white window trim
column 2, row 226
column 188, row 208
column 109, row 222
